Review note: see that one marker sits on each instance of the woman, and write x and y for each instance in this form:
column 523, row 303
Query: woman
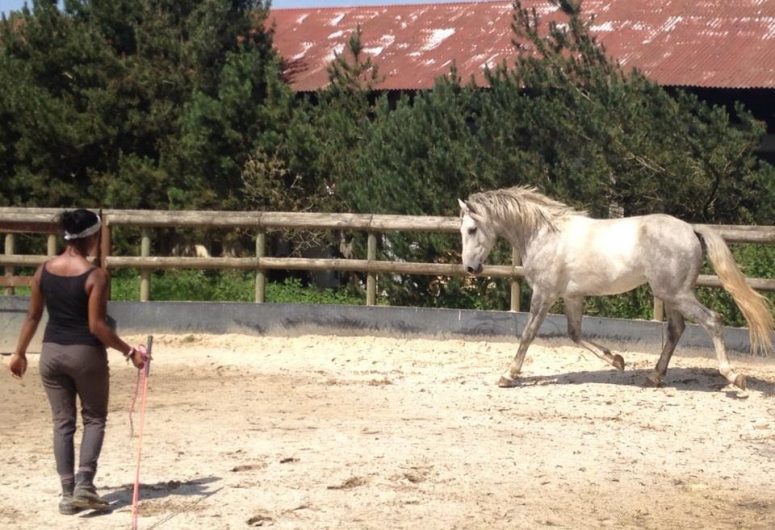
column 73, row 358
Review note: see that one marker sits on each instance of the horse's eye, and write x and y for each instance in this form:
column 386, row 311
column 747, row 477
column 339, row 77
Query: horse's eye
column 472, row 231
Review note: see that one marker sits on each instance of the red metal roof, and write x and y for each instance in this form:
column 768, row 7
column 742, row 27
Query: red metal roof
column 707, row 43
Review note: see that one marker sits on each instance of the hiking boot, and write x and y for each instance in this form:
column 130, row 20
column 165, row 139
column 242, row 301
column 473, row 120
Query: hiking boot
column 85, row 497
column 66, row 506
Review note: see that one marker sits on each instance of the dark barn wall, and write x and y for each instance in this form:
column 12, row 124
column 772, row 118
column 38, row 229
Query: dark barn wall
column 759, row 101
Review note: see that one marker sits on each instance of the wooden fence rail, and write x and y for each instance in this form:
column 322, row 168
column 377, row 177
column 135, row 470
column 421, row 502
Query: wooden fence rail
column 45, row 220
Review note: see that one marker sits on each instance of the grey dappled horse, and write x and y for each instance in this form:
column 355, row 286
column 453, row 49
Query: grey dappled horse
column 567, row 254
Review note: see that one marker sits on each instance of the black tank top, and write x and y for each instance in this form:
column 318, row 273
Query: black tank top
column 68, row 309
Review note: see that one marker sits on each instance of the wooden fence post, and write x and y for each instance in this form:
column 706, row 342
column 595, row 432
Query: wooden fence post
column 9, row 270
column 260, row 296
column 516, row 260
column 659, row 310
column 104, row 250
column 371, row 278
column 145, row 274
column 51, row 245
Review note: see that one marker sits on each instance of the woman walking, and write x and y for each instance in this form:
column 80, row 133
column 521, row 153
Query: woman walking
column 73, row 360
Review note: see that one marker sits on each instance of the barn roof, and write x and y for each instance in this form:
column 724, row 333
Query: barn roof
column 703, row 43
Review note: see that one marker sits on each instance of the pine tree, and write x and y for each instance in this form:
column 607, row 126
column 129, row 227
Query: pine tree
column 133, row 103
column 54, row 79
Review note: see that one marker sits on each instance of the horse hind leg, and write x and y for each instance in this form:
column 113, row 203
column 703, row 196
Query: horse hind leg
column 573, row 313
column 675, row 328
column 691, row 308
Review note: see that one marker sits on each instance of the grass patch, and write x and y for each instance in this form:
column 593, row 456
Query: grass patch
column 224, row 286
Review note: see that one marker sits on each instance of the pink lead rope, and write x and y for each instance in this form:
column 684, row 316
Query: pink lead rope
column 141, row 387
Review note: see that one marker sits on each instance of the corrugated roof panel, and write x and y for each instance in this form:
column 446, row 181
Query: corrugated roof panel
column 713, row 43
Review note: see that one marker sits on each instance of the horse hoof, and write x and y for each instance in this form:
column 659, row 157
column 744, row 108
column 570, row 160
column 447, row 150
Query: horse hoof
column 740, row 382
column 618, row 362
column 505, row 382
column 653, row 382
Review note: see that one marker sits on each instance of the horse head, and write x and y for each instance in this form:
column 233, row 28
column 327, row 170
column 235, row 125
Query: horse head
column 477, row 235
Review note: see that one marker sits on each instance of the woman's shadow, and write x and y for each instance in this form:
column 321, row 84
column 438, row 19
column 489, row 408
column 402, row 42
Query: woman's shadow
column 121, row 496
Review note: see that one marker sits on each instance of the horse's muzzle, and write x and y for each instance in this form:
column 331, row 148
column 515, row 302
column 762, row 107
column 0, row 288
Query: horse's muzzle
column 472, row 270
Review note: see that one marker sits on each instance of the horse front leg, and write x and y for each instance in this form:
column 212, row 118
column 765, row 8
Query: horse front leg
column 539, row 306
column 574, row 309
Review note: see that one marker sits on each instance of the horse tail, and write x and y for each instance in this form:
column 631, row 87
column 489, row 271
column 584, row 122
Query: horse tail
column 754, row 306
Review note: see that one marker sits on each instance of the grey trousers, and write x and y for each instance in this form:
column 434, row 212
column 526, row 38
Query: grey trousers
column 67, row 372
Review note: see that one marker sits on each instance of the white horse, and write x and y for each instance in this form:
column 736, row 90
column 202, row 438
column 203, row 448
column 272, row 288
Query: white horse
column 567, row 254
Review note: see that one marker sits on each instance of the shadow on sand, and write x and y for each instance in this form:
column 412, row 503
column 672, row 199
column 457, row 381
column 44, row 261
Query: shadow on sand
column 121, row 496
column 684, row 379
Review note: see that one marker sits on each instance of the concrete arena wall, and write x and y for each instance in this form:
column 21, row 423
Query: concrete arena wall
column 282, row 319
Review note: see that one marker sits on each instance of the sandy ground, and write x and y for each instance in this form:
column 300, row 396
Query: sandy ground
column 345, row 432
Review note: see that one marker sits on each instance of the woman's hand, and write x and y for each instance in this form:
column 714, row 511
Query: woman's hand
column 18, row 364
column 139, row 356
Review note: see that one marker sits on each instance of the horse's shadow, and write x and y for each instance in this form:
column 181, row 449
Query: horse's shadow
column 121, row 496
column 683, row 379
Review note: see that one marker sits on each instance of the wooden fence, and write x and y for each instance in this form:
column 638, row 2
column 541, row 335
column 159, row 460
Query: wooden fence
column 45, row 220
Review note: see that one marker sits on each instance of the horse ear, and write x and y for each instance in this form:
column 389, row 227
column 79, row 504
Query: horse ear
column 465, row 207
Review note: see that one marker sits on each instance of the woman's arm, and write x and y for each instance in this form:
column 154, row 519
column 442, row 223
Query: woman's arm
column 97, row 287
column 18, row 362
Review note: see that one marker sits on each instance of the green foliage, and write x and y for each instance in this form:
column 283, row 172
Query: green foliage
column 418, row 156
column 350, row 72
column 202, row 285
column 133, row 103
column 224, row 286
column 292, row 291
column 636, row 304
column 53, row 74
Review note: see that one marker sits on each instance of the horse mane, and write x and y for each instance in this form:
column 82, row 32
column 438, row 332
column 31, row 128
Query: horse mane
column 524, row 204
